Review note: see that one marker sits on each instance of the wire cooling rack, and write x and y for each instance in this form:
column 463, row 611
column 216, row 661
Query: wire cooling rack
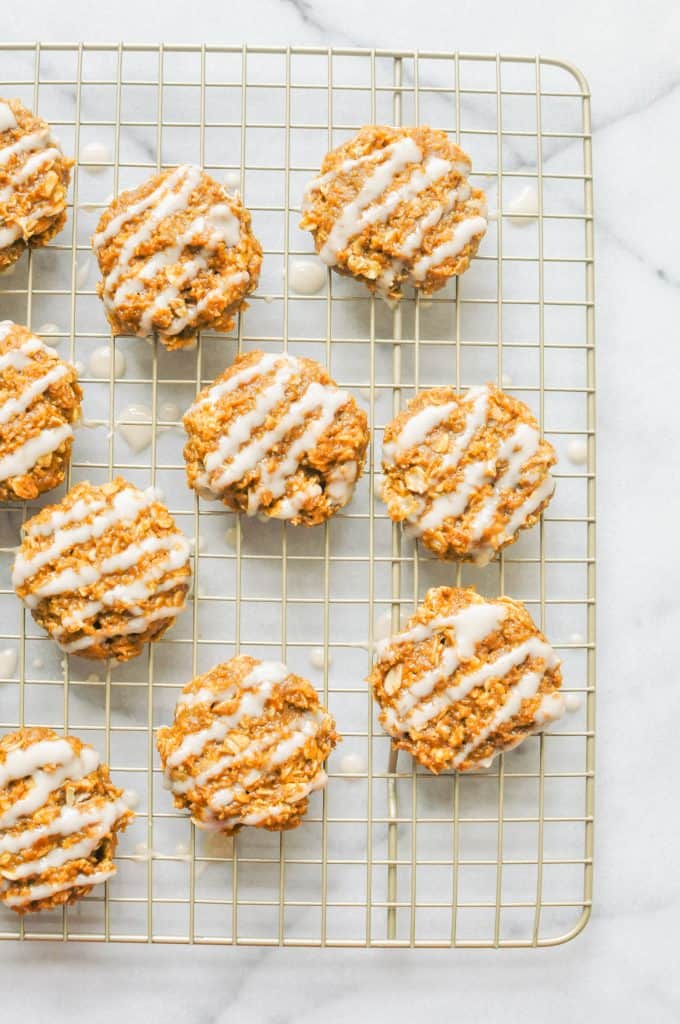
column 389, row 855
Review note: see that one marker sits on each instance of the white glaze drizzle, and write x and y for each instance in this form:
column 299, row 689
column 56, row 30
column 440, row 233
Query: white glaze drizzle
column 429, row 220
column 30, row 763
column 219, row 224
column 281, row 749
column 237, row 452
column 26, row 144
column 526, row 688
column 256, row 688
column 415, row 706
column 515, row 450
column 11, row 407
column 463, row 232
column 41, row 144
column 47, row 889
column 399, row 155
column 7, row 118
column 254, row 691
column 97, row 818
column 231, row 445
column 317, row 397
column 232, row 383
column 125, row 506
column 156, row 579
column 168, row 201
column 433, row 169
column 23, row 458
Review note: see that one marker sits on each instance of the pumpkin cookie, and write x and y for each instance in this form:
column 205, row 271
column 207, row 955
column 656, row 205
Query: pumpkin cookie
column 466, row 679
column 177, row 255
column 466, row 473
column 104, row 571
column 39, row 403
column 275, row 435
column 247, row 746
column 393, row 206
column 34, row 180
column 59, row 818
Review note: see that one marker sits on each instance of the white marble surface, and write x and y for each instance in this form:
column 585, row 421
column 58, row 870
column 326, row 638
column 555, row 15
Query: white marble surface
column 622, row 966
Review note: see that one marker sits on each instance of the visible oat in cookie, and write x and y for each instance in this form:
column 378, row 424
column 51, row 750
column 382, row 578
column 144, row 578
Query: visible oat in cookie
column 39, row 403
column 34, row 180
column 247, row 746
column 177, row 255
column 275, row 435
column 59, row 818
column 466, row 473
column 393, row 207
column 466, row 679
column 105, row 571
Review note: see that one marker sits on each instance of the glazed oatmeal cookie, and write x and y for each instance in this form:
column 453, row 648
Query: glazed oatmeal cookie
column 466, row 679
column 177, row 255
column 39, row 403
column 247, row 746
column 104, row 571
column 59, row 818
column 275, row 436
column 34, row 180
column 393, row 206
column 466, row 472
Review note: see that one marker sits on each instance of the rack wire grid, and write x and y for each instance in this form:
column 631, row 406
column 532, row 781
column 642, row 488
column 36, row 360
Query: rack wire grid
column 388, row 855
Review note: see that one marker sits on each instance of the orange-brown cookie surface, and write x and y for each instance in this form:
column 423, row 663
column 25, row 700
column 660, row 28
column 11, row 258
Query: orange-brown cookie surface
column 59, row 818
column 104, row 571
column 39, row 403
column 393, row 207
column 34, row 180
column 274, row 435
column 247, row 746
column 177, row 255
column 466, row 679
column 466, row 472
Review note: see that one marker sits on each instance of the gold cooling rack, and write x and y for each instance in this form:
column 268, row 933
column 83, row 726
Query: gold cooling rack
column 389, row 855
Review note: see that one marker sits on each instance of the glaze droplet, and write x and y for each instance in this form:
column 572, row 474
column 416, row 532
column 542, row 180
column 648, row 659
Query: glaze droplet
column 572, row 702
column 8, row 662
column 317, row 657
column 131, row 798
column 306, row 277
column 577, row 452
column 82, row 274
column 138, row 434
column 526, row 205
column 232, row 180
column 96, row 153
column 353, row 764
column 100, row 362
column 48, row 329
column 506, row 380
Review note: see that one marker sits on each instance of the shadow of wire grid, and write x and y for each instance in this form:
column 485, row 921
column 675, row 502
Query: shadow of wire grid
column 502, row 858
